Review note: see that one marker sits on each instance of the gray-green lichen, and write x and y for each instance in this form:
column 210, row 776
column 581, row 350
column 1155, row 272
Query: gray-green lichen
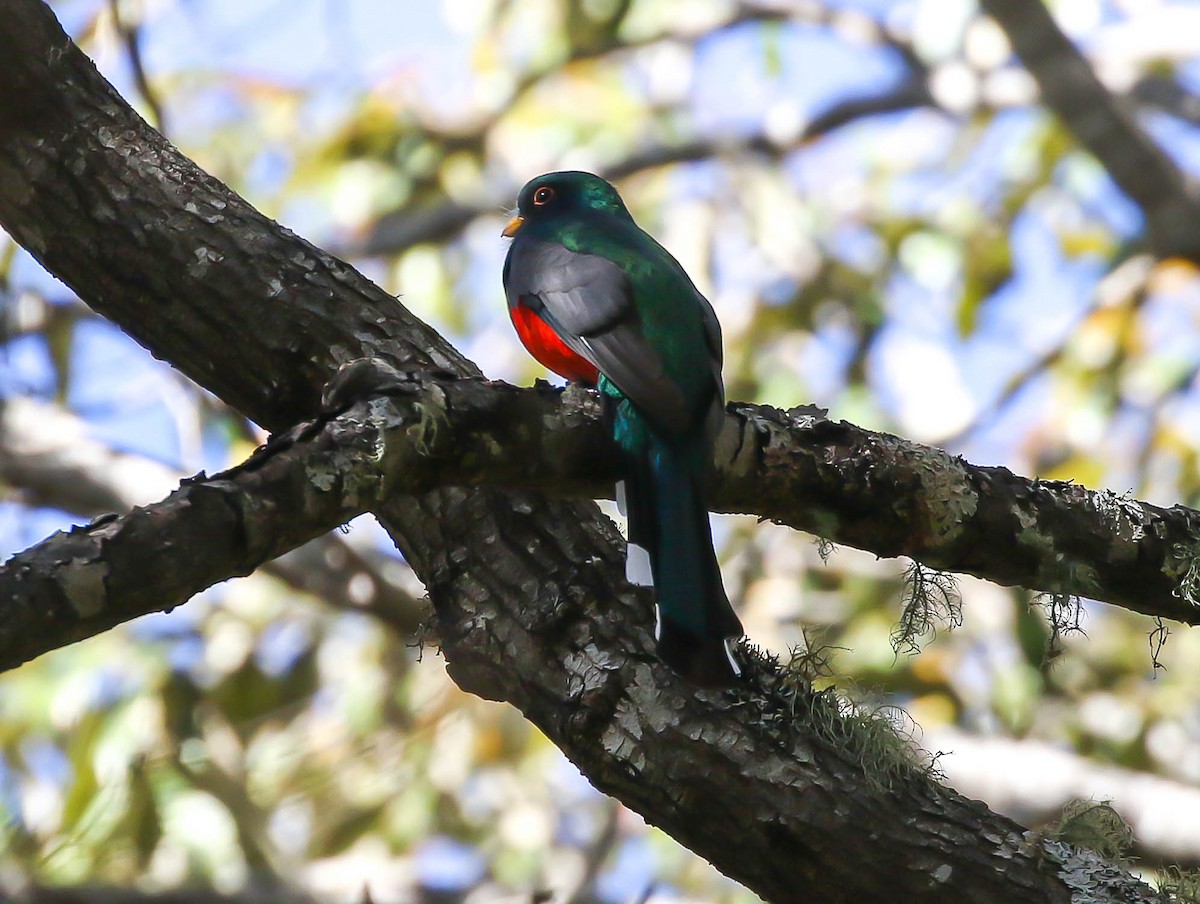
column 949, row 497
column 354, row 476
column 83, row 582
column 322, row 475
column 931, row 600
column 1093, row 880
column 881, row 739
column 1128, row 517
column 430, row 418
column 1184, row 567
column 1090, row 843
column 1094, row 825
column 1030, row 534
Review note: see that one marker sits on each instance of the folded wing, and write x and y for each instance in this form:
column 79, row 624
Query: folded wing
column 588, row 301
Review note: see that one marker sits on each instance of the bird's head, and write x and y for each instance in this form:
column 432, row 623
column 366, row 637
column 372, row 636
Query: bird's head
column 569, row 193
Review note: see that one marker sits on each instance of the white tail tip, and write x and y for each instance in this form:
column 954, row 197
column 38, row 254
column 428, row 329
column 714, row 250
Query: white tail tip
column 733, row 663
column 637, row 566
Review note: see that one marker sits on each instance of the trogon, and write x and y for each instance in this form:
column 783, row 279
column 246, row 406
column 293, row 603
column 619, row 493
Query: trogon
column 597, row 300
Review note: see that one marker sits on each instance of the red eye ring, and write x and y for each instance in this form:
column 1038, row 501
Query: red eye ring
column 543, row 196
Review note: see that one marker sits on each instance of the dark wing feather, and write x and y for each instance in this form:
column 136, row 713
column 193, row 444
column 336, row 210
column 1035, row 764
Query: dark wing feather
column 587, row 300
column 584, row 292
column 716, row 357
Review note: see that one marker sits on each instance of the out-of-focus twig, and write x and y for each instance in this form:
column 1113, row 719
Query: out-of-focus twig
column 1032, row 781
column 1169, row 96
column 394, row 233
column 439, row 222
column 1101, row 124
column 131, row 38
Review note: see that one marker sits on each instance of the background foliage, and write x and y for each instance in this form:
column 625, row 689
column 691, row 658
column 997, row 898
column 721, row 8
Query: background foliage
column 887, row 225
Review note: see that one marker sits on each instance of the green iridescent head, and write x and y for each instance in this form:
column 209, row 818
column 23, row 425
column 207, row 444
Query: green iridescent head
column 568, row 192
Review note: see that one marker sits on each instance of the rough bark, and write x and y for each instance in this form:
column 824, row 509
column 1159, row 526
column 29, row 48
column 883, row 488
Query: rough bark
column 47, row 459
column 788, row 757
column 773, row 784
column 90, row 578
column 868, row 489
column 894, row 497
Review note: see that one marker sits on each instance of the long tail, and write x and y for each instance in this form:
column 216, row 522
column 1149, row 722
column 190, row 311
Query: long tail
column 668, row 519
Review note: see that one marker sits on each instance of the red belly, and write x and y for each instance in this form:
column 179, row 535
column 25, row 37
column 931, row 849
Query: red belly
column 550, row 351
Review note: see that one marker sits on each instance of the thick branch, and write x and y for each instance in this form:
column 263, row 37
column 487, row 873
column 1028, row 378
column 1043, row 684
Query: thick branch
column 640, row 730
column 870, row 490
column 104, row 202
column 894, row 497
column 327, row 472
column 1102, row 125
column 78, row 583
column 47, row 457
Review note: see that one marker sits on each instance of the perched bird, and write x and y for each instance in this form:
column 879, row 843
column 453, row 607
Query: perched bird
column 596, row 299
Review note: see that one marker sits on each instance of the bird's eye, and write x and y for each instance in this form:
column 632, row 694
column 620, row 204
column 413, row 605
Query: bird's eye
column 543, row 196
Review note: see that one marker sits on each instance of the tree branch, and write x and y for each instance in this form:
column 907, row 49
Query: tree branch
column 778, row 787
column 894, row 497
column 1101, row 124
column 871, row 490
column 303, row 484
column 606, row 694
column 1168, row 95
column 46, row 455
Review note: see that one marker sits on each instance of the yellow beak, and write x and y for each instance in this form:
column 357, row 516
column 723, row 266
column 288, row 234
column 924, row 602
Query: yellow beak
column 513, row 225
